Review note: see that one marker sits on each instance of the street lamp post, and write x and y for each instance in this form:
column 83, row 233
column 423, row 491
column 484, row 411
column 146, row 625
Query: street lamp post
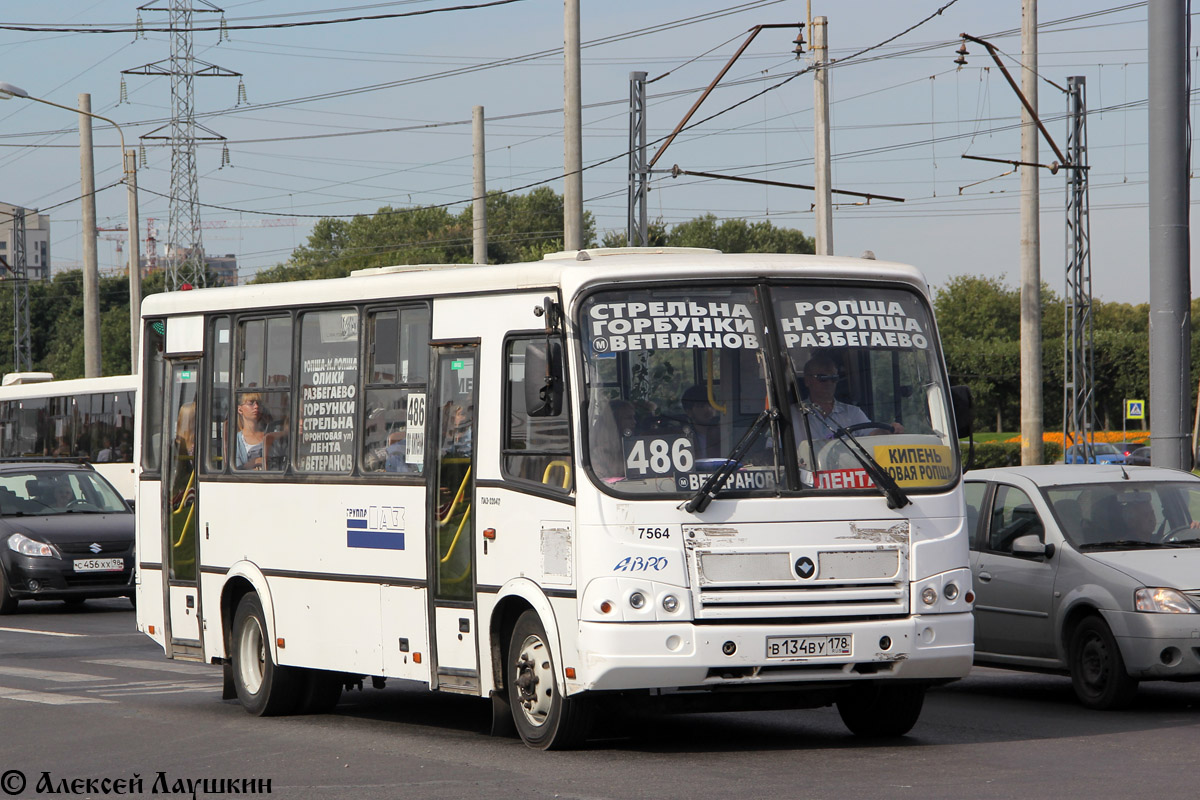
column 129, row 170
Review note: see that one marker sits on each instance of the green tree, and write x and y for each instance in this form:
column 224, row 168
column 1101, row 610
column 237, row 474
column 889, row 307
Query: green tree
column 521, row 227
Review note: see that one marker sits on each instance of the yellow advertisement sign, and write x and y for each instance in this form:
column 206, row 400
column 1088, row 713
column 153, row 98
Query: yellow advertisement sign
column 917, row 465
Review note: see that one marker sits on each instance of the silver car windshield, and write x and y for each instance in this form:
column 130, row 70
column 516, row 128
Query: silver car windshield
column 1127, row 514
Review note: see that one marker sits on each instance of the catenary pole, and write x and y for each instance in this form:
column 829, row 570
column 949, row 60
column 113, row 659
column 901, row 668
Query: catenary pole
column 572, row 131
column 135, row 261
column 1031, row 245
column 91, row 273
column 479, row 207
column 1170, row 282
column 823, row 198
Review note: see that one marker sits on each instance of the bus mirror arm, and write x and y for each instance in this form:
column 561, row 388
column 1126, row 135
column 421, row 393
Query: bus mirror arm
column 543, row 378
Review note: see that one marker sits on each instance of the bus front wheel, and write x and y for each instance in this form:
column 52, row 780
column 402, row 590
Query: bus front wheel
column 264, row 688
column 880, row 710
column 545, row 718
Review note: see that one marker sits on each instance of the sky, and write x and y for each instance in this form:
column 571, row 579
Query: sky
column 346, row 117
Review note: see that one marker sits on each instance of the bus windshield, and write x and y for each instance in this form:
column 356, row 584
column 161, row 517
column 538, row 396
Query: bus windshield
column 676, row 377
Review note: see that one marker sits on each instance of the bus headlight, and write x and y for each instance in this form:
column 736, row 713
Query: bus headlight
column 670, row 603
column 950, row 592
column 929, row 595
column 637, row 601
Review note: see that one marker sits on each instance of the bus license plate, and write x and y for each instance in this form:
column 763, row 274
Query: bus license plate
column 99, row 564
column 838, row 644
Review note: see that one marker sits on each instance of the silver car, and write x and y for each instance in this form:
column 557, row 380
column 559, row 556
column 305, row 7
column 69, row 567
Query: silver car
column 1092, row 570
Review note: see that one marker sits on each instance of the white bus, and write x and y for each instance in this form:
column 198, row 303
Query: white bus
column 602, row 477
column 88, row 419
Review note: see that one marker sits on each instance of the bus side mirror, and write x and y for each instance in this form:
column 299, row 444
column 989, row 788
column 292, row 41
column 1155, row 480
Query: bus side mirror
column 960, row 398
column 543, row 378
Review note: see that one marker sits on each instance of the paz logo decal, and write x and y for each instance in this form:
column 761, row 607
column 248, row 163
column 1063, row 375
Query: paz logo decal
column 805, row 567
column 375, row 527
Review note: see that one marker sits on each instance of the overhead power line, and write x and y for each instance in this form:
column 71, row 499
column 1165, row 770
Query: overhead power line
column 226, row 27
column 602, row 162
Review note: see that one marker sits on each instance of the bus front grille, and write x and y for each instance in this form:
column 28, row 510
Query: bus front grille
column 805, row 602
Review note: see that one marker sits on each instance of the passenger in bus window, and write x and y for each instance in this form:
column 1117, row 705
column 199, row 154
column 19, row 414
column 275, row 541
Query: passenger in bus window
column 185, row 429
column 251, row 423
column 456, row 436
column 821, row 378
column 106, row 453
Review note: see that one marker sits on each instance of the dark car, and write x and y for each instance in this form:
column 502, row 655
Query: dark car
column 65, row 534
column 1139, row 457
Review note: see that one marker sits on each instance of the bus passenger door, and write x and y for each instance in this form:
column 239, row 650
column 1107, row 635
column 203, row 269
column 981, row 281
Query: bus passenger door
column 451, row 521
column 180, row 504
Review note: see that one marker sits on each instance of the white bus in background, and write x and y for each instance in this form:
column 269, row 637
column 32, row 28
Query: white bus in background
column 88, row 419
column 486, row 479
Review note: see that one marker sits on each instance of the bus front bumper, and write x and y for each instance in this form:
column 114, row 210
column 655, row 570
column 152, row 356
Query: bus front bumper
column 622, row 656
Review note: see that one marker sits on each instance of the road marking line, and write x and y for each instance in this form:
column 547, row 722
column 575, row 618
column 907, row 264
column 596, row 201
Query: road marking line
column 47, row 698
column 44, row 633
column 139, row 691
column 156, row 666
column 50, row 675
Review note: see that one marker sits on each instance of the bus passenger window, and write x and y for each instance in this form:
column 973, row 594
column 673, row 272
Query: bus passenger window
column 328, row 391
column 536, row 449
column 219, row 398
column 396, row 372
column 263, row 422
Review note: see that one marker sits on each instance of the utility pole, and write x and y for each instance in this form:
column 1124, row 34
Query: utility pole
column 638, row 234
column 91, row 272
column 1031, row 247
column 479, row 207
column 572, row 131
column 135, row 261
column 823, row 198
column 1170, row 282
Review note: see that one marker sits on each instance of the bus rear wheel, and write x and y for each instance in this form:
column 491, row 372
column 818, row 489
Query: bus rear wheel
column 881, row 711
column 545, row 718
column 264, row 688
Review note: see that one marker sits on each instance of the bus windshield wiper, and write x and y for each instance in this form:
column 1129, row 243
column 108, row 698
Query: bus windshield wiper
column 896, row 498
column 712, row 487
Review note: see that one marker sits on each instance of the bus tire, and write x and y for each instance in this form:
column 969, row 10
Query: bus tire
column 264, row 688
column 881, row 710
column 545, row 719
column 320, row 691
column 1098, row 673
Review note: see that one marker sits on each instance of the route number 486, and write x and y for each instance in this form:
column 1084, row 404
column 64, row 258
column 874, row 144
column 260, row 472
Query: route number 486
column 660, row 456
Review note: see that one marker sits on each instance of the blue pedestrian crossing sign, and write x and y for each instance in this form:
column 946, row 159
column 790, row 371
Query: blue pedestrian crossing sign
column 1135, row 409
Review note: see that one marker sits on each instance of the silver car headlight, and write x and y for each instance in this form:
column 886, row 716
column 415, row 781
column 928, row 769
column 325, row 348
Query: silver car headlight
column 1162, row 601
column 20, row 543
